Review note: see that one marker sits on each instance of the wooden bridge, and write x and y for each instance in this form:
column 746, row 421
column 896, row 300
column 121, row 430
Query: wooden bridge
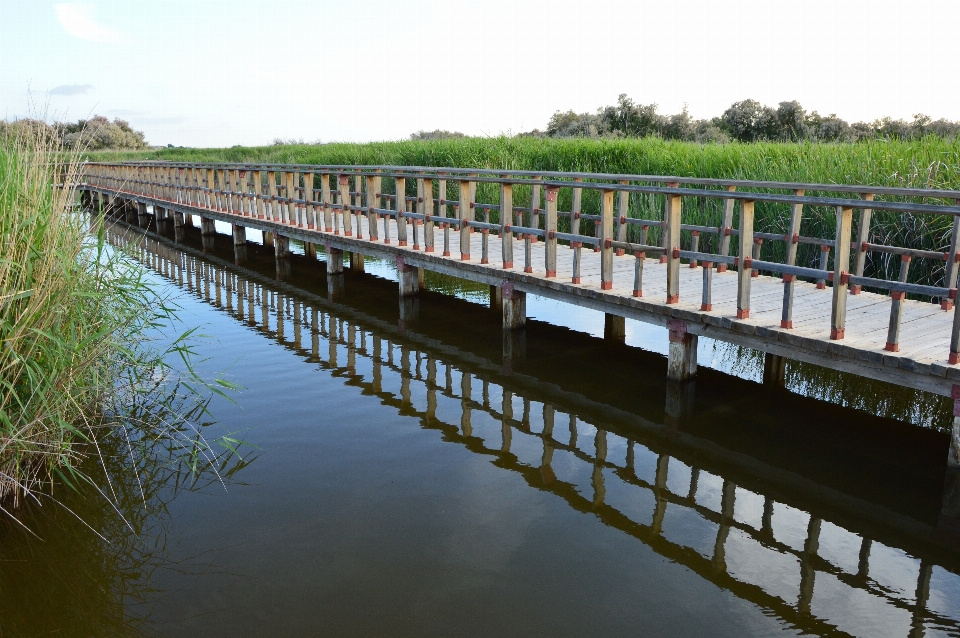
column 634, row 473
column 833, row 316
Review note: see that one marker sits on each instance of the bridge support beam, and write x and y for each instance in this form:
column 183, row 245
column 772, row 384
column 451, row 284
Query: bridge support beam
column 774, row 370
column 408, row 278
column 334, row 261
column 614, row 328
column 356, row 262
column 514, row 306
column 682, row 358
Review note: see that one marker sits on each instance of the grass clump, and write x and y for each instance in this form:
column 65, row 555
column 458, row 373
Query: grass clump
column 75, row 320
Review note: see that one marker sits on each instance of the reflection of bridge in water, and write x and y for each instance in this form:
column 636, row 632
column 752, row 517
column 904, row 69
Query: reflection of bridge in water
column 770, row 535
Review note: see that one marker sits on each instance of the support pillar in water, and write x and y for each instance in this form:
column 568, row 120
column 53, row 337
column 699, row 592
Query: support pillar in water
column 239, row 244
column 267, row 238
column 207, row 226
column 356, row 262
column 178, row 224
column 143, row 220
column 281, row 250
column 162, row 219
column 408, row 278
column 310, row 249
column 514, row 306
column 682, row 359
column 614, row 328
column 679, row 402
column 774, row 370
column 334, row 261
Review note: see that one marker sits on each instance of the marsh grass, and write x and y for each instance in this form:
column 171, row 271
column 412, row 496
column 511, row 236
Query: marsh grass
column 76, row 354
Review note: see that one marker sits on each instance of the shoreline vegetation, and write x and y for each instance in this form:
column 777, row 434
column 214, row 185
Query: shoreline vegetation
column 84, row 372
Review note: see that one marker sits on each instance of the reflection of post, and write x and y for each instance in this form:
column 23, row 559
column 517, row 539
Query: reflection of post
column 766, row 524
column 466, row 388
column 332, row 342
column 251, row 302
column 807, row 571
column 409, row 313
column 228, row 288
column 679, row 401
column 659, row 493
column 920, row 605
column 546, row 471
column 629, row 462
column 600, row 456
column 485, row 394
column 281, row 251
column 216, row 284
column 314, row 335
column 281, row 306
column 404, row 375
column 573, row 430
column 296, row 324
column 525, row 419
column 239, row 244
column 431, row 390
column 377, row 370
column 948, row 525
column 726, row 518
column 694, row 479
column 863, row 565
column 351, row 348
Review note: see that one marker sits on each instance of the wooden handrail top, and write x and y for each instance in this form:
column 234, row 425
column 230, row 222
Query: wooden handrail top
column 457, row 173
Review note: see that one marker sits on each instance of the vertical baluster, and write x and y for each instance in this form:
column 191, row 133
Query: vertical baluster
column 757, row 244
column 550, row 228
column 824, row 260
column 896, row 308
column 357, row 202
column 416, row 222
column 506, row 237
column 466, row 213
column 950, row 272
column 743, row 265
column 622, row 214
column 428, row 223
column 535, row 207
column 863, row 236
column 672, row 216
column 792, row 239
column 639, row 257
column 401, row 208
column 325, row 202
column 606, row 237
column 272, row 195
column 706, row 303
column 345, row 205
column 372, row 217
column 575, row 208
column 310, row 208
column 841, row 261
column 694, row 246
column 576, row 246
column 726, row 225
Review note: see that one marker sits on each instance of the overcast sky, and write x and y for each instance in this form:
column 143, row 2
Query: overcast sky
column 211, row 73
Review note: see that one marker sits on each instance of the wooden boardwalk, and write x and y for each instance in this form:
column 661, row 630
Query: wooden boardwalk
column 829, row 325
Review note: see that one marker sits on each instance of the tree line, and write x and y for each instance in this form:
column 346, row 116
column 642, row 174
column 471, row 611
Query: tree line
column 96, row 134
column 744, row 121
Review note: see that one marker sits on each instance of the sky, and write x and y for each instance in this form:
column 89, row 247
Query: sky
column 221, row 73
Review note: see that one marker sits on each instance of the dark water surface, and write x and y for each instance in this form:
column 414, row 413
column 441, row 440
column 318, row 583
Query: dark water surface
column 409, row 481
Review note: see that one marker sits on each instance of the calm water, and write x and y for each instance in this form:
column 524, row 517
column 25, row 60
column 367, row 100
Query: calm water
column 408, row 481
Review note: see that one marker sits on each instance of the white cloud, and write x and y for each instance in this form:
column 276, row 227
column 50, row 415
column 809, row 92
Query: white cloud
column 77, row 20
column 70, row 89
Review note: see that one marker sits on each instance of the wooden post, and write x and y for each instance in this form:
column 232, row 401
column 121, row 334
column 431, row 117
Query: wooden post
column 614, row 328
column 682, row 356
column 334, row 260
column 743, row 273
column 535, row 206
column 575, row 208
column 841, row 261
column 726, row 225
column 310, row 208
column 401, row 208
column 550, row 249
column 514, row 306
column 428, row 224
column 672, row 231
column 863, row 235
column 372, row 230
column 950, row 274
column 792, row 239
column 272, row 195
column 606, row 236
column 345, row 203
column 407, row 277
column 506, row 214
column 774, row 370
column 622, row 210
column 466, row 214
column 896, row 308
column 325, row 202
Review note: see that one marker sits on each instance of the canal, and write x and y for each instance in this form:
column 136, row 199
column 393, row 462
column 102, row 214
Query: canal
column 401, row 476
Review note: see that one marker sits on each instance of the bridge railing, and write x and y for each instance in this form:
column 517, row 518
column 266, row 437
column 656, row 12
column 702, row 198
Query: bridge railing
column 613, row 469
column 323, row 198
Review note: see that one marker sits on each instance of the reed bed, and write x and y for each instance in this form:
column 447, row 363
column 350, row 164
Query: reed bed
column 77, row 362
